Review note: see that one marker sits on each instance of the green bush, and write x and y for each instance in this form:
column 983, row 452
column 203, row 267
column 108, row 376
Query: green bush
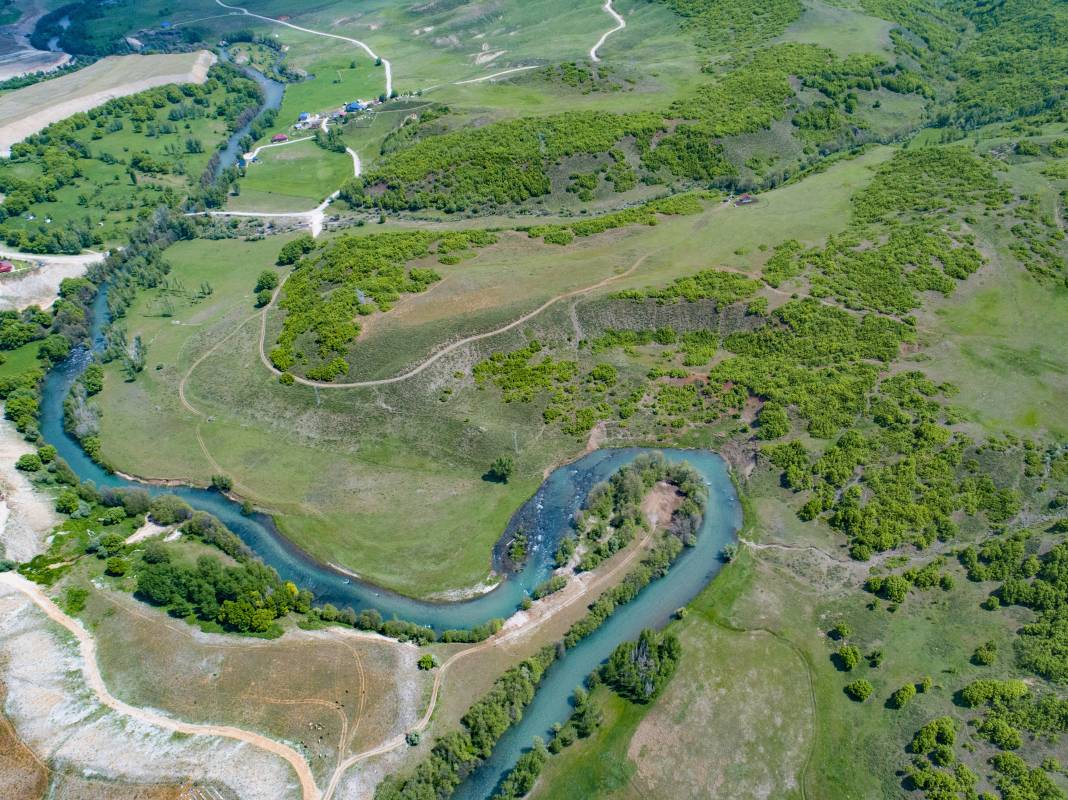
column 859, row 691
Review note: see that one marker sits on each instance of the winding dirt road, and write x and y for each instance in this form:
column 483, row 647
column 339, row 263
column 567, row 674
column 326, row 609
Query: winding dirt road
column 388, row 67
column 620, row 25
column 495, row 75
column 443, row 351
column 91, row 671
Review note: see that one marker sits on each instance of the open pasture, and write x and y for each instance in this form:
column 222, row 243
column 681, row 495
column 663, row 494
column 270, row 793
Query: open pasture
column 411, row 445
column 329, row 693
column 294, row 177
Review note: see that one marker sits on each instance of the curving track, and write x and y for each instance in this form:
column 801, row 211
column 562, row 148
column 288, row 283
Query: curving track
column 388, row 67
column 443, row 351
column 620, row 25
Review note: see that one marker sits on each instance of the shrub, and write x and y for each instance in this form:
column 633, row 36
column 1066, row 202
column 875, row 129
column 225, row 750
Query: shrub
column 847, row 657
column 859, row 691
column 167, row 509
column 902, row 696
column 266, row 280
column 427, row 662
column 29, row 462
column 117, row 566
column 985, row 654
column 67, row 502
column 501, row 469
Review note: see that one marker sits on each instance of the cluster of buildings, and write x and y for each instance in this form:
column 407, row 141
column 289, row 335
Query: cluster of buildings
column 307, row 120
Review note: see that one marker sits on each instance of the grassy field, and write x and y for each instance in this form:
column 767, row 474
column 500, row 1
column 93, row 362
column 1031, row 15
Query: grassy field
column 1006, row 330
column 296, row 177
column 344, row 697
column 757, row 694
column 406, row 446
column 844, row 30
column 737, row 718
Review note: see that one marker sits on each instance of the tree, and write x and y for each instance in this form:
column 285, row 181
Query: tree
column 501, row 469
column 266, row 280
column 773, row 421
column 29, row 462
column 859, row 690
column 902, row 696
column 640, row 670
column 117, row 566
column 222, row 482
column 427, row 662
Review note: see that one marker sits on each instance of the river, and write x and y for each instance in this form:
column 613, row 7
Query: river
column 546, row 517
column 272, row 94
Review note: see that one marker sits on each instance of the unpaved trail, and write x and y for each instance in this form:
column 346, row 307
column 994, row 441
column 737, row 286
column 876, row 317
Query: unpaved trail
column 495, row 75
column 95, row 682
column 443, row 351
column 256, row 152
column 388, row 67
column 620, row 25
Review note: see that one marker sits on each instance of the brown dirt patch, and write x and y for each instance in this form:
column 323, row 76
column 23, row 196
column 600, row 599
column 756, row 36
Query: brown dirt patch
column 661, row 504
column 22, row 775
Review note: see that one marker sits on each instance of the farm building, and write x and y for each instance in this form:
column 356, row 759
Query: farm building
column 303, row 117
column 356, row 105
column 6, row 266
column 279, row 137
column 745, row 200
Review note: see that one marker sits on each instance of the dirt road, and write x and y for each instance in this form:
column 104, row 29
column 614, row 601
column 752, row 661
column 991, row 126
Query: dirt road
column 388, row 67
column 443, row 351
column 95, row 682
column 620, row 25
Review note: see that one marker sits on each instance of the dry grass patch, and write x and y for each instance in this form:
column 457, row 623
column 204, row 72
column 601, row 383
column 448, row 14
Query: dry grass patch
column 328, row 693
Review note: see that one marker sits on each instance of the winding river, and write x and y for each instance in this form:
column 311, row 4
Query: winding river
column 545, row 518
column 273, row 92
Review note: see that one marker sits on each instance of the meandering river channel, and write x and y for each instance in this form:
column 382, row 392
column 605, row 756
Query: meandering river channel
column 545, row 518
